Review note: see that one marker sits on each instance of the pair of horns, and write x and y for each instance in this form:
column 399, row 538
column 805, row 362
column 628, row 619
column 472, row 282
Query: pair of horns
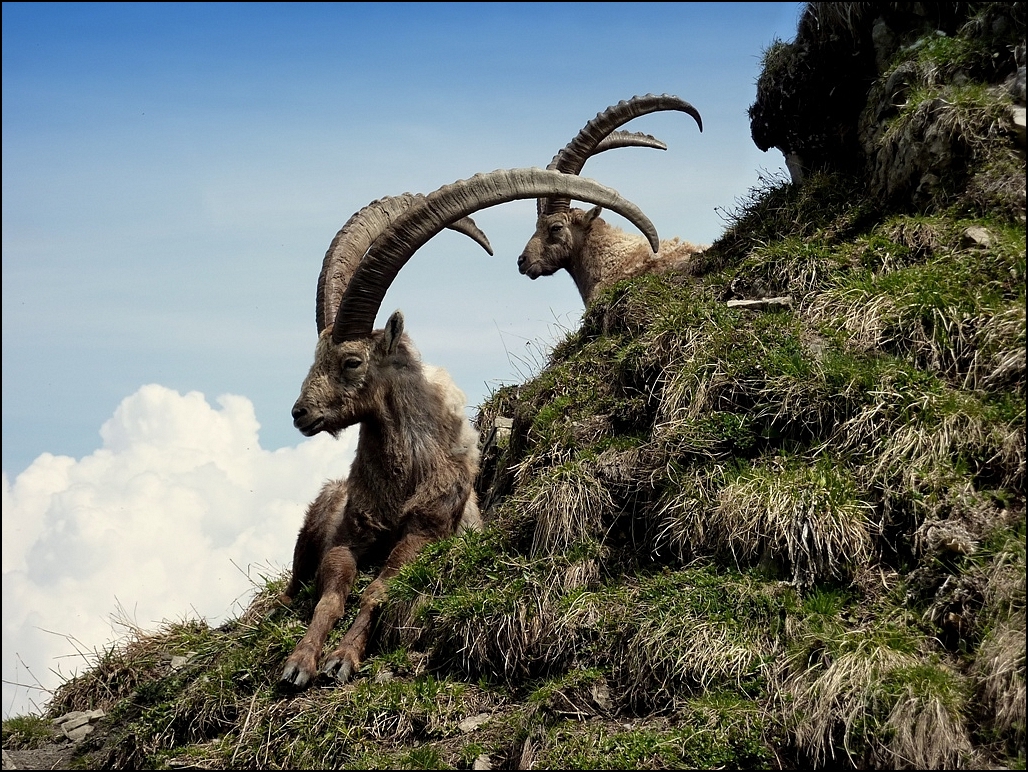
column 357, row 235
column 378, row 240
column 599, row 135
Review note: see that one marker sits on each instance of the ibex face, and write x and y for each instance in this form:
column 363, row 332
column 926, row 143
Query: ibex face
column 341, row 388
column 558, row 239
column 561, row 231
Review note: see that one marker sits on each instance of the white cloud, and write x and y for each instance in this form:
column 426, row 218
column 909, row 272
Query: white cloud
column 164, row 521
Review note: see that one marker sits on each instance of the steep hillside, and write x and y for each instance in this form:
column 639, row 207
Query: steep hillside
column 720, row 533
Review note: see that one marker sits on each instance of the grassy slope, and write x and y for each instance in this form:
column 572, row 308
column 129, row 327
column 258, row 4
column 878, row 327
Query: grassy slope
column 718, row 537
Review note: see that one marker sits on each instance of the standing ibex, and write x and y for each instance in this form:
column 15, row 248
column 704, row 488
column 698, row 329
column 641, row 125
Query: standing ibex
column 412, row 479
column 595, row 253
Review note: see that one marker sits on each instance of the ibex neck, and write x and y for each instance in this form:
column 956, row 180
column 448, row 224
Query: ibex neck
column 608, row 255
column 403, row 434
column 584, row 268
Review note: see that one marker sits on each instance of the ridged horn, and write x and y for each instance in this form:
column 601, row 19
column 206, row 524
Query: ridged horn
column 353, row 239
column 573, row 156
column 618, row 139
column 357, row 311
column 613, row 141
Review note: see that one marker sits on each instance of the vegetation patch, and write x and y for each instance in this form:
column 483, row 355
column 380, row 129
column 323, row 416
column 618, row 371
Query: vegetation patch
column 715, row 536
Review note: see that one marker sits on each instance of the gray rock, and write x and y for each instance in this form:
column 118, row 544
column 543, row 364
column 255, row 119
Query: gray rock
column 600, row 693
column 794, row 164
column 1017, row 117
column 471, row 723
column 976, row 236
column 72, row 720
column 78, row 723
column 78, row 733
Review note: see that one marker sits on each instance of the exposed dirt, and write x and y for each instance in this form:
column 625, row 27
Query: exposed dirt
column 52, row 756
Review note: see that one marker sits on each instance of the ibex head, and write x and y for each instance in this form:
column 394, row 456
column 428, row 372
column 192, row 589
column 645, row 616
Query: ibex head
column 558, row 238
column 352, row 361
column 561, row 231
column 346, row 382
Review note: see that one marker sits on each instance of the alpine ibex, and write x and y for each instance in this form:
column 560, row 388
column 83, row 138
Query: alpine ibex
column 595, row 253
column 412, row 479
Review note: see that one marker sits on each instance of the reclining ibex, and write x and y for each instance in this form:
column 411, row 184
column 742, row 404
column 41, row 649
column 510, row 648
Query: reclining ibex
column 595, row 253
column 412, row 479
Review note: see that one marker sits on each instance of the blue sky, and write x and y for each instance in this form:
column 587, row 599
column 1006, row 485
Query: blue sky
column 172, row 177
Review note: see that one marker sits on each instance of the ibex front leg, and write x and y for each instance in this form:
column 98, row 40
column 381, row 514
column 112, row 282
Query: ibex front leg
column 336, row 575
column 347, row 657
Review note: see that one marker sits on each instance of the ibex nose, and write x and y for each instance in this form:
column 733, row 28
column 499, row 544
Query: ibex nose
column 521, row 262
column 308, row 423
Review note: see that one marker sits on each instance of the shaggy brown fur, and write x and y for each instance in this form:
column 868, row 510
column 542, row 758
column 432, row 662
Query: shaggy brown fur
column 411, row 482
column 595, row 253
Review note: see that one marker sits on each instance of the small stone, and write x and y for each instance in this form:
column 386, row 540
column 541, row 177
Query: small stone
column 77, row 733
column 72, row 720
column 601, row 695
column 1017, row 115
column 977, row 236
column 78, row 723
column 471, row 723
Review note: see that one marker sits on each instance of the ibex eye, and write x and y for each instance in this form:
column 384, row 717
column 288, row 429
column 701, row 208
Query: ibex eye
column 351, row 363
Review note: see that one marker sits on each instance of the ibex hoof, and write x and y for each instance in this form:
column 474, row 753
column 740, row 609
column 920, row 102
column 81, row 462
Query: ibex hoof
column 340, row 668
column 294, row 675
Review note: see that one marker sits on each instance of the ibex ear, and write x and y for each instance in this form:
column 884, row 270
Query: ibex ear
column 393, row 331
column 591, row 215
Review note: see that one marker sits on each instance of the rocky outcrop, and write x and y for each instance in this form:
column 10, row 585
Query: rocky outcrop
column 72, row 728
column 895, row 90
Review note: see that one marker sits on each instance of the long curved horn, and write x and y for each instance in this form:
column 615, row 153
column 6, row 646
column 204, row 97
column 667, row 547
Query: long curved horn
column 613, row 141
column 359, row 307
column 353, row 239
column 573, row 156
column 618, row 139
